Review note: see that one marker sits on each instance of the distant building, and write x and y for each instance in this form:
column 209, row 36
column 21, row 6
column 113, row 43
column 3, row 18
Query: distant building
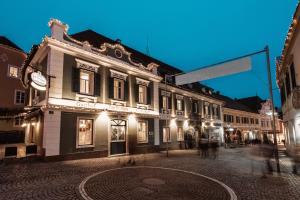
column 288, row 80
column 12, row 99
column 241, row 123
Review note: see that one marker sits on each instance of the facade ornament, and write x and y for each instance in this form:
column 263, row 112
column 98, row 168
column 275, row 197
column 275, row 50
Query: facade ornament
column 118, row 75
column 87, row 65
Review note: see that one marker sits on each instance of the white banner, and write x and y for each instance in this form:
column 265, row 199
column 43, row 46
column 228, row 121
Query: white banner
column 215, row 71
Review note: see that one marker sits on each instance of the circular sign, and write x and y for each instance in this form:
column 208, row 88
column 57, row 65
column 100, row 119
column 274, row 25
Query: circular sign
column 38, row 81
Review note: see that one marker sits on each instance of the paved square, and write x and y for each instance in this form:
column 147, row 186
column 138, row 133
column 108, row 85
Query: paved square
column 233, row 167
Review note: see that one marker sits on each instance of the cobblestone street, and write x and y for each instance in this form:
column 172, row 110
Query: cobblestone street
column 233, row 167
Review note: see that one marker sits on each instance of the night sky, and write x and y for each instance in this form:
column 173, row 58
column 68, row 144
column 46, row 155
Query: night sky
column 186, row 34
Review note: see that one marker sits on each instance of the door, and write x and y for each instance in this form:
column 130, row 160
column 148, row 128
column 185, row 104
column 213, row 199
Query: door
column 118, row 137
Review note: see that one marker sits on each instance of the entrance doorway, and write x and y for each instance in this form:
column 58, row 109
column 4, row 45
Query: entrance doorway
column 118, row 137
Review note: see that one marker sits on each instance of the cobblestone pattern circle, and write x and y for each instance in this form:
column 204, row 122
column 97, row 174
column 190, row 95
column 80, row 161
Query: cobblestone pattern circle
column 133, row 183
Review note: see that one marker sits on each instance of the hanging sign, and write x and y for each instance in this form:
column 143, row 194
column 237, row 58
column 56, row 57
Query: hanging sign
column 38, row 81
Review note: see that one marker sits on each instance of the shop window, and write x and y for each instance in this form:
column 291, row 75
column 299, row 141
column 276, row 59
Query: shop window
column 19, row 97
column 118, row 130
column 118, row 89
column 142, row 132
column 143, row 94
column 85, row 132
column 86, row 82
column 13, row 71
column 166, row 134
column 180, row 136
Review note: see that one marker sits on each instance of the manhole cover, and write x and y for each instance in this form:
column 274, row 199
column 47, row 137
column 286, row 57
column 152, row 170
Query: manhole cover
column 153, row 181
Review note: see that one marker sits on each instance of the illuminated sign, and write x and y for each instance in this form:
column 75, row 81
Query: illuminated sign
column 38, row 81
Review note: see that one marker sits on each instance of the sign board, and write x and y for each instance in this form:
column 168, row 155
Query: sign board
column 38, row 81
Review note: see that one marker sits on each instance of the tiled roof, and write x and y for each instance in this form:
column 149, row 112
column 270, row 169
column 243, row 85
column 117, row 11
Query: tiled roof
column 5, row 41
column 254, row 102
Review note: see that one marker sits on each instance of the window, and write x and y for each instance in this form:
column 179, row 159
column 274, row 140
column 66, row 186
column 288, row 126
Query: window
column 252, row 121
column 13, row 71
column 18, row 121
column 118, row 89
column 287, row 84
column 85, row 132
column 85, row 82
column 118, row 130
column 256, row 121
column 142, row 132
column 19, row 97
column 142, row 94
column 165, row 102
column 195, row 107
column 180, row 134
column 166, row 134
column 179, row 104
column 238, row 119
column 293, row 76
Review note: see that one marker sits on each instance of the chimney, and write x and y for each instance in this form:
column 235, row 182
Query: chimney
column 57, row 29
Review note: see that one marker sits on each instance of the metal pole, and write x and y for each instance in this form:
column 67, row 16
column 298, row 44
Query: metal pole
column 166, row 117
column 273, row 110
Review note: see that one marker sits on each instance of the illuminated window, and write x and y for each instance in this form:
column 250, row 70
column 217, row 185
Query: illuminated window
column 165, row 102
column 142, row 94
column 19, row 97
column 13, row 71
column 179, row 104
column 85, row 82
column 118, row 130
column 119, row 89
column 166, row 134
column 180, row 134
column 85, row 132
column 142, row 136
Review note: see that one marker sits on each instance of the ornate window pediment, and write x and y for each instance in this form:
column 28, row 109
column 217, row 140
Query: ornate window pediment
column 118, row 75
column 86, row 65
column 140, row 81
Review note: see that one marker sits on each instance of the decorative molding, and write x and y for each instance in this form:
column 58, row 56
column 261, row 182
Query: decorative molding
column 179, row 97
column 120, row 51
column 142, row 106
column 117, row 74
column 58, row 22
column 140, row 81
column 85, row 98
column 165, row 93
column 87, row 65
column 118, row 103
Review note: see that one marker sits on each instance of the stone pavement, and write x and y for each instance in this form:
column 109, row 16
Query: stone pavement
column 233, row 167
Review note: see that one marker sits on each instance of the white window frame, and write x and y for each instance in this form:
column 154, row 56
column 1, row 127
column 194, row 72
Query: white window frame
column 146, row 133
column 180, row 139
column 78, row 146
column 142, row 99
column 116, row 89
column 8, row 71
column 15, row 99
column 165, row 102
column 169, row 133
column 90, row 82
column 179, row 102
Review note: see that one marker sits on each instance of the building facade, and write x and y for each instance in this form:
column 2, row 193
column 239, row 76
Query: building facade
column 12, row 99
column 288, row 80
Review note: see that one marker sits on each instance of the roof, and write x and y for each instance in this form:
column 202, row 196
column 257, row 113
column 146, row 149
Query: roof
column 254, row 102
column 234, row 104
column 5, row 41
column 96, row 40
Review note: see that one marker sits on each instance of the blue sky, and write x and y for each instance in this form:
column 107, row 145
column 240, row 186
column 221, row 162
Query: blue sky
column 187, row 34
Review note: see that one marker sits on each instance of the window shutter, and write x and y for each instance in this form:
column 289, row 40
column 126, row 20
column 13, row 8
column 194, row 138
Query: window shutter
column 75, row 79
column 97, row 81
column 160, row 100
column 149, row 93
column 136, row 93
column 183, row 104
column 170, row 101
column 111, row 87
column 126, row 90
